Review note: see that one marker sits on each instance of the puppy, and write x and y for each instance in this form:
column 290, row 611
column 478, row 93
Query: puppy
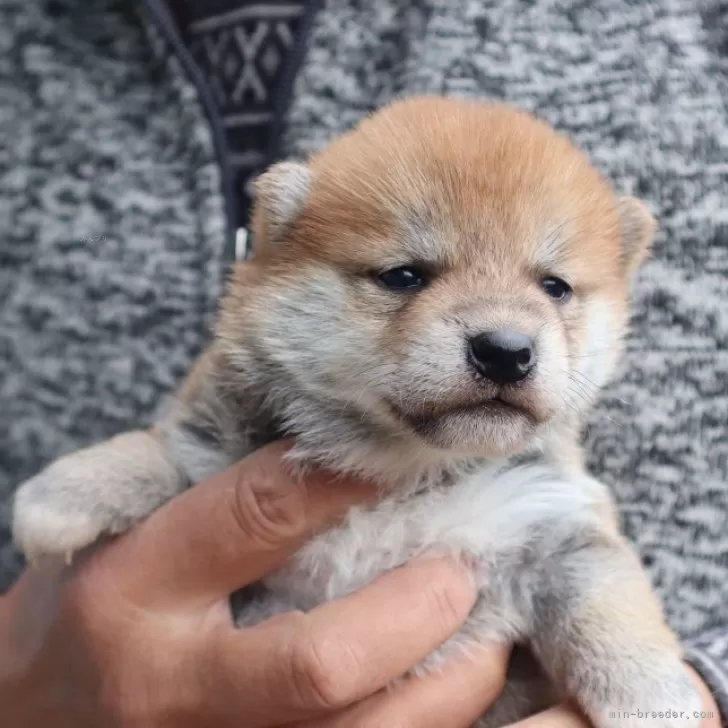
column 436, row 299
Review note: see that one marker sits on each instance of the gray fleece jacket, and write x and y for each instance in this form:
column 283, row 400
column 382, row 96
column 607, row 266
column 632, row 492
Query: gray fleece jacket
column 118, row 214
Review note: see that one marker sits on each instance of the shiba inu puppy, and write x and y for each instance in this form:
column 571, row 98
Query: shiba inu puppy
column 435, row 301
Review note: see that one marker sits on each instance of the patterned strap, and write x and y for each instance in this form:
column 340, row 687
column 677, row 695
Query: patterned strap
column 245, row 51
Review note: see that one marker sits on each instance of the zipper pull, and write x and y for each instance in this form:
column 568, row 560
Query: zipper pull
column 243, row 248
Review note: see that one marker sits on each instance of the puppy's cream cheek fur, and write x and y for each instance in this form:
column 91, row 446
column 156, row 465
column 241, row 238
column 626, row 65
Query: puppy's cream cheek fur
column 304, row 322
column 601, row 344
column 551, row 379
column 321, row 337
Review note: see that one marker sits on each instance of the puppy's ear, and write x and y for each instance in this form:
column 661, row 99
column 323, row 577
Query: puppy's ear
column 280, row 195
column 638, row 231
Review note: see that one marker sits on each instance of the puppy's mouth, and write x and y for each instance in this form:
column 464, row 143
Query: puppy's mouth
column 499, row 407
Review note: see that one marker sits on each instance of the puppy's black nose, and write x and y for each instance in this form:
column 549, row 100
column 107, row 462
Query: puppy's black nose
column 503, row 356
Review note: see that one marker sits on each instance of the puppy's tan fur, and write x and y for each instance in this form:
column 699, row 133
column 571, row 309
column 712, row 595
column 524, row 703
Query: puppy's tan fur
column 488, row 201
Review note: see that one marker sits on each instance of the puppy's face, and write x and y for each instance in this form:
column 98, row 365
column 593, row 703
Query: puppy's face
column 453, row 272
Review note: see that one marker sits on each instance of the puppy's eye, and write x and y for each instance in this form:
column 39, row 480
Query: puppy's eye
column 406, row 278
column 556, row 288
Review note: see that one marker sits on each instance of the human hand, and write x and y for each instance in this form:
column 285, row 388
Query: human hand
column 567, row 716
column 139, row 633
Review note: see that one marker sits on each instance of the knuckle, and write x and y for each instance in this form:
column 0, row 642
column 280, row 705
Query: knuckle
column 267, row 507
column 449, row 597
column 324, row 672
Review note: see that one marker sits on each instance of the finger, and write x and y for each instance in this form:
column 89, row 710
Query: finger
column 455, row 697
column 560, row 716
column 711, row 717
column 229, row 531
column 342, row 651
column 567, row 716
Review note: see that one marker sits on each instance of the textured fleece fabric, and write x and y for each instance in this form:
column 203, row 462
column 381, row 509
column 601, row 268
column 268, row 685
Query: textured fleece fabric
column 113, row 228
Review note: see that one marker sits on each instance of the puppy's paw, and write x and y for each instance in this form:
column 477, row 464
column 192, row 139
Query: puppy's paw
column 658, row 694
column 55, row 513
column 47, row 529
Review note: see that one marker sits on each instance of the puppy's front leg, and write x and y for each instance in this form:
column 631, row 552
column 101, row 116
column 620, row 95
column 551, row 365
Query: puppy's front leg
column 599, row 632
column 108, row 487
column 102, row 489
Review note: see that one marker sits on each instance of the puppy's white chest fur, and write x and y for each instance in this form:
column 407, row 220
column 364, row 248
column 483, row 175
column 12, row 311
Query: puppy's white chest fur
column 496, row 516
